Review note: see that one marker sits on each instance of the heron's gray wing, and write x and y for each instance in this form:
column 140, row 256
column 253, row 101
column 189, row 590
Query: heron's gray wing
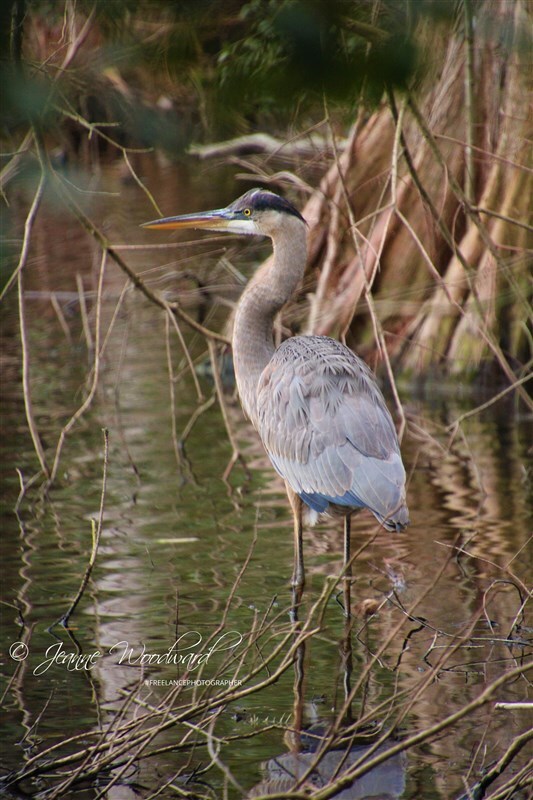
column 326, row 428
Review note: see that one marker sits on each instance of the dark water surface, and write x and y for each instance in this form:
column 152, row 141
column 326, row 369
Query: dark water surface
column 175, row 539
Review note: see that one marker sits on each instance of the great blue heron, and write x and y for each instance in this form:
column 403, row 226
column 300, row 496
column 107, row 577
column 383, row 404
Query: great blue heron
column 317, row 407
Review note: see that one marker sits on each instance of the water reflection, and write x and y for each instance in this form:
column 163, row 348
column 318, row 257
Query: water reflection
column 175, row 544
column 386, row 781
column 336, row 756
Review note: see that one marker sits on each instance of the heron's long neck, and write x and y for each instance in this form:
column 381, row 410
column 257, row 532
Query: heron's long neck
column 269, row 290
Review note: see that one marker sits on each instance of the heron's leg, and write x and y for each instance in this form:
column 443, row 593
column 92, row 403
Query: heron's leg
column 347, row 564
column 295, row 740
column 298, row 575
column 346, row 640
column 347, row 545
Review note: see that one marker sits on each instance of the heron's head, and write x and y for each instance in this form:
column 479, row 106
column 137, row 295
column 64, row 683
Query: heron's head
column 258, row 212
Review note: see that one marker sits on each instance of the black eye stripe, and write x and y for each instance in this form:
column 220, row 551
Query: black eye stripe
column 263, row 200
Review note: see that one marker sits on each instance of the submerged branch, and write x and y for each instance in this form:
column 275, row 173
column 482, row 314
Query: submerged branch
column 96, row 532
column 26, row 385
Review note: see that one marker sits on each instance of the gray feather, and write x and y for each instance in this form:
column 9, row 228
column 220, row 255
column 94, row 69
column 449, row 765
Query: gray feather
column 326, row 427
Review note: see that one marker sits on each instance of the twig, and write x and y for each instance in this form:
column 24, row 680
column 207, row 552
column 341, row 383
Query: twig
column 139, row 182
column 478, row 791
column 28, row 226
column 186, row 353
column 494, row 399
column 470, row 176
column 32, row 730
column 510, row 220
column 78, row 40
column 94, row 127
column 96, row 373
column 485, row 152
column 12, row 166
column 214, row 753
column 198, row 411
column 171, row 386
column 96, row 532
column 83, row 313
column 61, row 317
column 462, row 549
column 237, row 455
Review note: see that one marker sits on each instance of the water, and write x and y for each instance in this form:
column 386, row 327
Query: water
column 182, row 551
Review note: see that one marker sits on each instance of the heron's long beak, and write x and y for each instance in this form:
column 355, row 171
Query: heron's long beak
column 219, row 219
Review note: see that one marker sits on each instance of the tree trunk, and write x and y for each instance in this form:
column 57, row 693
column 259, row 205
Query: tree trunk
column 449, row 280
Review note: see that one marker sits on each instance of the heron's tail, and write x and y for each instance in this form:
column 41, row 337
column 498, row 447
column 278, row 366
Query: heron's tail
column 395, row 521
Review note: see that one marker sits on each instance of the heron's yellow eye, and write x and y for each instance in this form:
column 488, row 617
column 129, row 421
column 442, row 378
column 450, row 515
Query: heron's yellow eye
column 247, row 212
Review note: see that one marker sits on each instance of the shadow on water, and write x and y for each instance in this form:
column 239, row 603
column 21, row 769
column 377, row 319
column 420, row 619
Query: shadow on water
column 187, row 672
column 335, row 756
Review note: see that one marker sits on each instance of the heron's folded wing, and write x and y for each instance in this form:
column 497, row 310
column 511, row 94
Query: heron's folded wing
column 326, row 427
